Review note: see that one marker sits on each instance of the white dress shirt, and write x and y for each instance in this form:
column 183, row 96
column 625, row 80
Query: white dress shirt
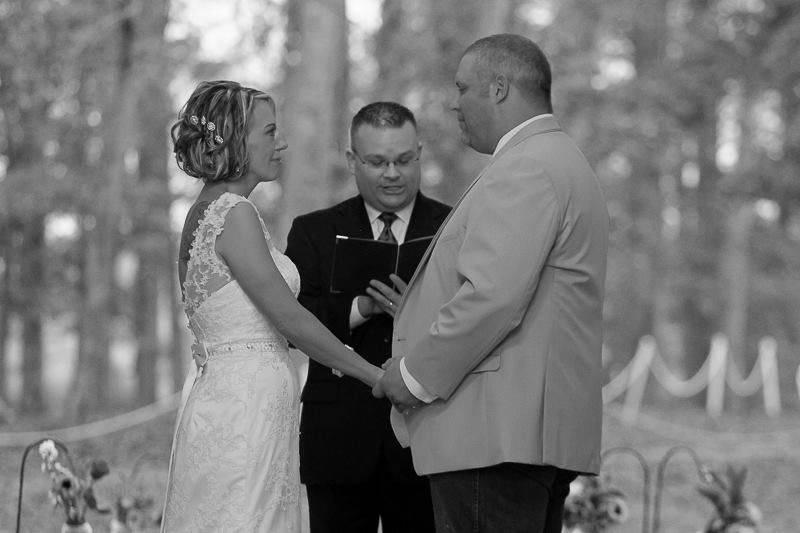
column 414, row 386
column 507, row 137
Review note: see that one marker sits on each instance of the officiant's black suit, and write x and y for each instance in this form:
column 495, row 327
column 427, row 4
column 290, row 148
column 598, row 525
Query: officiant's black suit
column 345, row 436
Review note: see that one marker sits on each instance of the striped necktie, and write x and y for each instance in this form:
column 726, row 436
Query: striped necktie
column 387, row 235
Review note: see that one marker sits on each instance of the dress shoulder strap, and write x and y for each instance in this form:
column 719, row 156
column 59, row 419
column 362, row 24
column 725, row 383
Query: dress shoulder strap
column 206, row 272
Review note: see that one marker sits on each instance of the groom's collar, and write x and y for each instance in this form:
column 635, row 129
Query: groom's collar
column 544, row 123
column 507, row 137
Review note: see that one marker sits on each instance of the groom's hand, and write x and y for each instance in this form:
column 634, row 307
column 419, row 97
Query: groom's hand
column 377, row 390
column 393, row 386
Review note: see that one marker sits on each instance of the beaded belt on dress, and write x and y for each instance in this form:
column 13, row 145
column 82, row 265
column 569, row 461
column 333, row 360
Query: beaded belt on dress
column 203, row 351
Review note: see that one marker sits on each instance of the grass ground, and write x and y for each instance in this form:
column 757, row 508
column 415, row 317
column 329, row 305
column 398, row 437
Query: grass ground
column 769, row 448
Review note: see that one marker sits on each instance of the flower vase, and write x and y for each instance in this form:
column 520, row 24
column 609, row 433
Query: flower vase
column 76, row 528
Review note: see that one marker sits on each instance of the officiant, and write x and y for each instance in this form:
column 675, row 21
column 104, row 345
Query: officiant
column 350, row 461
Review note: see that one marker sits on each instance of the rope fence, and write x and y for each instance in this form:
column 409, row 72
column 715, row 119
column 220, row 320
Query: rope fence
column 97, row 428
column 717, row 373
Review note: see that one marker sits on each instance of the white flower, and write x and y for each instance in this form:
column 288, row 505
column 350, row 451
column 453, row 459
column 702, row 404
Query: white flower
column 117, row 527
column 61, row 469
column 616, row 509
column 48, row 451
column 576, row 488
column 754, row 512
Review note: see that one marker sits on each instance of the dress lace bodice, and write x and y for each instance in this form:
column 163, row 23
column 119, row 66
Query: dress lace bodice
column 217, row 307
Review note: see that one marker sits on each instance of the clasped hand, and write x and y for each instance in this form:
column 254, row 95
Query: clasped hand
column 392, row 386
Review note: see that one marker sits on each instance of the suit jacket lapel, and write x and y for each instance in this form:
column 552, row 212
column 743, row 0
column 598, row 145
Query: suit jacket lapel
column 428, row 251
column 544, row 125
column 421, row 223
column 355, row 220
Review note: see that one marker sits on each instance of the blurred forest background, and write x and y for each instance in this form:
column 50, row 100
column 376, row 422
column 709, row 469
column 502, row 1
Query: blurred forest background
column 689, row 110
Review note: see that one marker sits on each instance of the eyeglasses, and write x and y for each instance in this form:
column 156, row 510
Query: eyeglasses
column 380, row 164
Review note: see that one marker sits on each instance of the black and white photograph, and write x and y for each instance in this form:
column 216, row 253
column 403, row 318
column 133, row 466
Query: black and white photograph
column 399, row 266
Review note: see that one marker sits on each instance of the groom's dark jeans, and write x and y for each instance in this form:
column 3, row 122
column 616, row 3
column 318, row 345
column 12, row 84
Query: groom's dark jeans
column 507, row 498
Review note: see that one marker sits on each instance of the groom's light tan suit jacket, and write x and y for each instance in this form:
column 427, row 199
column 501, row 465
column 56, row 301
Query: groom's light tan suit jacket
column 503, row 319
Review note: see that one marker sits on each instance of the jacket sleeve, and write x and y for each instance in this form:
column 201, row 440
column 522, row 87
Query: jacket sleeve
column 303, row 248
column 511, row 227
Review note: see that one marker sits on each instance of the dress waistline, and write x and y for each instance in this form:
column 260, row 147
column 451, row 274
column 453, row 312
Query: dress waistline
column 203, row 351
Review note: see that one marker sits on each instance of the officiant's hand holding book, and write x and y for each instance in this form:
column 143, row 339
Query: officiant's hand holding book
column 357, row 261
column 382, row 298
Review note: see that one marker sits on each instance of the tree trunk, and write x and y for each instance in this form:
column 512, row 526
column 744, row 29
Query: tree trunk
column 5, row 304
column 152, row 219
column 655, row 195
column 32, row 400
column 146, row 324
column 91, row 387
column 178, row 355
column 736, row 276
column 701, row 239
column 32, row 281
column 91, row 381
column 312, row 117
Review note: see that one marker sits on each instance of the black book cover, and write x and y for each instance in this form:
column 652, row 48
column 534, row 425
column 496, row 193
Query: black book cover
column 356, row 261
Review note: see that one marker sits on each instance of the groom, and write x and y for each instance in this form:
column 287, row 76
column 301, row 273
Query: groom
column 496, row 347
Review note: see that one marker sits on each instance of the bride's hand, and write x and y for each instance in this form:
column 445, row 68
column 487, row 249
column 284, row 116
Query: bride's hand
column 377, row 390
column 379, row 375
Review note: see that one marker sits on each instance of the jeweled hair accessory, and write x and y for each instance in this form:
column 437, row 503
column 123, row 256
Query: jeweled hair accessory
column 208, row 129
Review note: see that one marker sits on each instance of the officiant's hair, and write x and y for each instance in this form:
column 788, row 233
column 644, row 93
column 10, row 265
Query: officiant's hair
column 517, row 58
column 382, row 115
column 210, row 136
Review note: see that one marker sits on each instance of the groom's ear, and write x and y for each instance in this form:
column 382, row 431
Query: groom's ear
column 498, row 89
column 351, row 161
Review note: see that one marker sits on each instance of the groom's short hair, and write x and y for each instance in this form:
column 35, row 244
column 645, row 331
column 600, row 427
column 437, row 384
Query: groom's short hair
column 382, row 115
column 519, row 59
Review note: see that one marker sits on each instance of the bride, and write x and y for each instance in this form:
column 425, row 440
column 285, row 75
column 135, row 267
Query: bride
column 234, row 461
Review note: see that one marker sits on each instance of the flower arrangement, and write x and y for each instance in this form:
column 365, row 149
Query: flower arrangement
column 732, row 512
column 131, row 515
column 133, row 508
column 592, row 506
column 70, row 490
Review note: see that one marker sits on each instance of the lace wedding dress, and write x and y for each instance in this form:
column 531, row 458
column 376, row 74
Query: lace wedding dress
column 234, row 463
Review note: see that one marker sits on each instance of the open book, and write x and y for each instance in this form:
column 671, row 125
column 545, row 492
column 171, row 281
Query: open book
column 356, row 261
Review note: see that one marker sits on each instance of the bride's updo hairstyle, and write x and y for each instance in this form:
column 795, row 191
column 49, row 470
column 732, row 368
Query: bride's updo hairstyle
column 210, row 135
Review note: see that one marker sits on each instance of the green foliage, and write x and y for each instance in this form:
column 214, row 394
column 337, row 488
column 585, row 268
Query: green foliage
column 730, row 505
